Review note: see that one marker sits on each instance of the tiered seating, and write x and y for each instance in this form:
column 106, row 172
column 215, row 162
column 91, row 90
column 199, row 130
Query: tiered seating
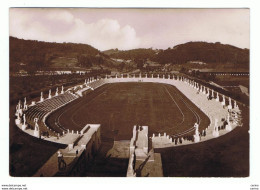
column 43, row 108
column 212, row 108
column 96, row 83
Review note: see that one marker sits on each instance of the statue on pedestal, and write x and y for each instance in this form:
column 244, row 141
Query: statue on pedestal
column 18, row 120
column 24, row 126
column 204, row 90
column 229, row 104
column 41, row 99
column 25, row 106
column 57, row 92
column 36, row 132
column 17, row 110
column 215, row 132
column 62, row 90
column 49, row 94
column 223, row 101
column 228, row 126
column 20, row 110
column 217, row 98
column 196, row 136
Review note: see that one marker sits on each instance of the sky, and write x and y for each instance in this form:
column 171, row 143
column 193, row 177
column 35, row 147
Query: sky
column 131, row 28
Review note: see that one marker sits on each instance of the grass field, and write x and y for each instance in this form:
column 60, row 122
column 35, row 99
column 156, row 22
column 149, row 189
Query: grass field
column 118, row 107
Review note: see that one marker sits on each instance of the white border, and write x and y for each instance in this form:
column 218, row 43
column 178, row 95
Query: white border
column 119, row 183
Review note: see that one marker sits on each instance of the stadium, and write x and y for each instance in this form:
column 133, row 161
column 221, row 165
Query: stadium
column 103, row 118
column 129, row 92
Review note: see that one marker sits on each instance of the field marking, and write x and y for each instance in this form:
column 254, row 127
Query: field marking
column 176, row 105
column 69, row 108
column 160, row 95
column 194, row 113
column 83, row 106
column 183, row 132
column 110, row 86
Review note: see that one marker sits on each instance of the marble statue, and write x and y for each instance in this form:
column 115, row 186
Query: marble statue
column 49, row 94
column 57, row 92
column 36, row 128
column 24, row 126
column 228, row 126
column 62, row 90
column 215, row 132
column 196, row 136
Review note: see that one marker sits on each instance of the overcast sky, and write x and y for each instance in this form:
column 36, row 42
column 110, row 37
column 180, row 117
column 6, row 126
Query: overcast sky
column 131, row 28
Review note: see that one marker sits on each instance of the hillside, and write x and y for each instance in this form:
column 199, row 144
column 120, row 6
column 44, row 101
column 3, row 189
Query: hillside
column 31, row 54
column 204, row 52
column 214, row 55
column 134, row 54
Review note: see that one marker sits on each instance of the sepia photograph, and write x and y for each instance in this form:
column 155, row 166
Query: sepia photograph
column 129, row 92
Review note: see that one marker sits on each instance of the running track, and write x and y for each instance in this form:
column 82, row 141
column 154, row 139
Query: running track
column 117, row 107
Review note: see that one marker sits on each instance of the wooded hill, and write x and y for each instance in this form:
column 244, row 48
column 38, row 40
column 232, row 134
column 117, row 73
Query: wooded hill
column 31, row 54
column 205, row 52
column 191, row 51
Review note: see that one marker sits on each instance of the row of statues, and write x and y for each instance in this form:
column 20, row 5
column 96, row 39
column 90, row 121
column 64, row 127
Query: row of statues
column 50, row 96
column 24, row 125
column 146, row 76
column 205, row 90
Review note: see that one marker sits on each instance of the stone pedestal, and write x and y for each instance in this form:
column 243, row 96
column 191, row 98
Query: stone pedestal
column 25, row 107
column 36, row 133
column 215, row 132
column 41, row 99
column 20, row 111
column 17, row 121
column 196, row 138
column 228, row 127
column 24, row 127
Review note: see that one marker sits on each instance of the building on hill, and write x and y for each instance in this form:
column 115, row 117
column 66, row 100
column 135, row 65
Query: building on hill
column 152, row 66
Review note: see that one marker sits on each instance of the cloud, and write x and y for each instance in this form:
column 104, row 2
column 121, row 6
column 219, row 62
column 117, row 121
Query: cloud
column 62, row 26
